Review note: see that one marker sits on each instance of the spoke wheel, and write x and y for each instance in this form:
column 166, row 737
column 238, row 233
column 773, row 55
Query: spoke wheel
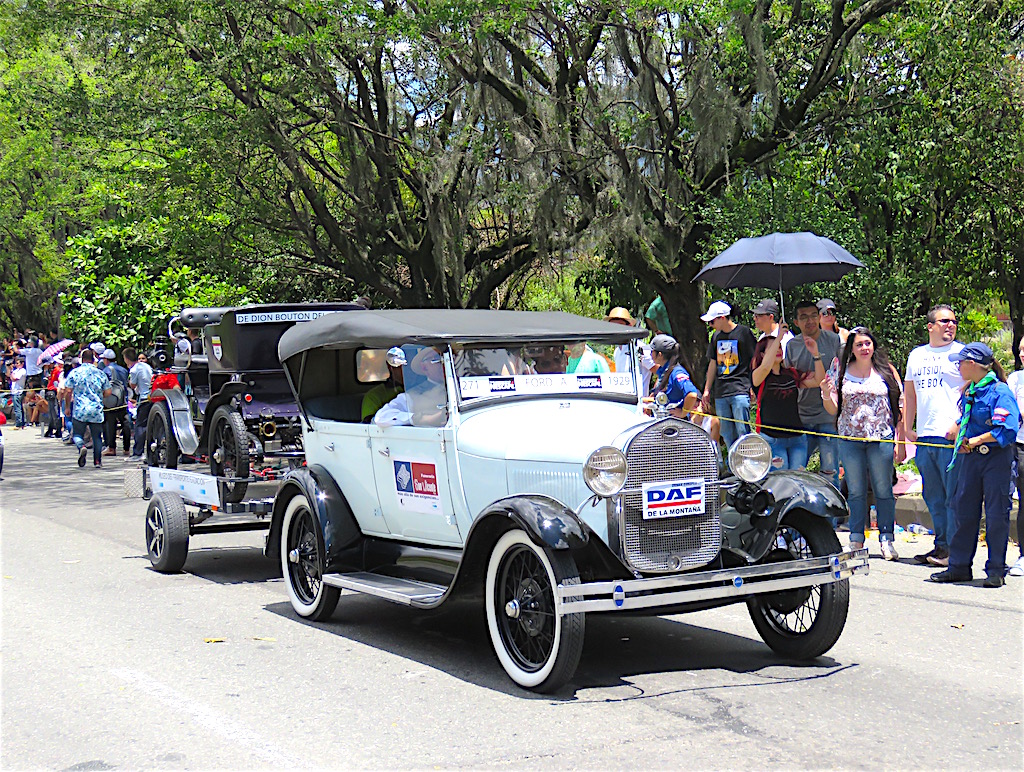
column 302, row 562
column 167, row 532
column 229, row 452
column 161, row 445
column 806, row 622
column 538, row 648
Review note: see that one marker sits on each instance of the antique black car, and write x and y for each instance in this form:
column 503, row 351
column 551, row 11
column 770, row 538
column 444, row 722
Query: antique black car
column 229, row 399
column 491, row 470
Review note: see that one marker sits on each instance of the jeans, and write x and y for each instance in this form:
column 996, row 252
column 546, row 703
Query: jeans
column 1020, row 498
column 736, row 407
column 938, row 486
column 141, row 421
column 95, row 431
column 112, row 419
column 788, row 452
column 19, row 410
column 828, row 449
column 983, row 478
column 862, row 460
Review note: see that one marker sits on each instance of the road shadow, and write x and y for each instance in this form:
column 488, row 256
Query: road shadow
column 456, row 642
column 230, row 565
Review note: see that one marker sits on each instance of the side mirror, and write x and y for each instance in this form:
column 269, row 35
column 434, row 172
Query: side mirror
column 396, row 357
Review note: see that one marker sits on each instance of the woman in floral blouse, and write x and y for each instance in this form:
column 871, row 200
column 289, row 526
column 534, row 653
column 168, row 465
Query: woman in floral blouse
column 867, row 400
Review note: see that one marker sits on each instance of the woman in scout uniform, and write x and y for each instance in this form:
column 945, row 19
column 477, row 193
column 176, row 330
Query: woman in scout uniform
column 985, row 447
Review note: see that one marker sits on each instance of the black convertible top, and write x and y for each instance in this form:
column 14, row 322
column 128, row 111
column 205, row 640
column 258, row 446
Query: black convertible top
column 433, row 326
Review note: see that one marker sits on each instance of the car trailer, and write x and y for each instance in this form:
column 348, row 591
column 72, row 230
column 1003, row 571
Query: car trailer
column 183, row 504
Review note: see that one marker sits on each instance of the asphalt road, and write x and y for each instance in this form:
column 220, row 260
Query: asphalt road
column 109, row 665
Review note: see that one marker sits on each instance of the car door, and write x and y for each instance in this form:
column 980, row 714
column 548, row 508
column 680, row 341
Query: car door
column 410, row 466
column 344, row 450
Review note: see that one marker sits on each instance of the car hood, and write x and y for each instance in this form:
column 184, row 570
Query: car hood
column 548, row 430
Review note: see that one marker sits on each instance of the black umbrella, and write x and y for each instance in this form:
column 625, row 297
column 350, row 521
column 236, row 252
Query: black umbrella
column 779, row 261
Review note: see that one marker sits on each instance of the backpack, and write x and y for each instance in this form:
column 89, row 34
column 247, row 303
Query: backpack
column 117, row 395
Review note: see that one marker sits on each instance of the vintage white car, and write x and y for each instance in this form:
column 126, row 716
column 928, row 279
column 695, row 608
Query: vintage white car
column 483, row 463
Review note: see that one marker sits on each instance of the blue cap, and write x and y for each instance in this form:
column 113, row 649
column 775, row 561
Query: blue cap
column 976, row 352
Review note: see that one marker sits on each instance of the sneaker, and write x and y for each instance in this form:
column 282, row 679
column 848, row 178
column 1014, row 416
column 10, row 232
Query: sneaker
column 943, row 561
column 938, row 552
column 993, row 582
column 949, row 575
column 110, row 452
column 81, row 455
column 888, row 550
column 1017, row 569
column 97, row 463
column 856, row 545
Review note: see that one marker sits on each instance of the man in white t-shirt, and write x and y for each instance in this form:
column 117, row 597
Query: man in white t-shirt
column 932, row 393
column 18, row 378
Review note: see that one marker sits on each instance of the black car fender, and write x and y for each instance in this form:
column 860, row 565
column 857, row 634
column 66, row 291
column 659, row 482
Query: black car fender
column 338, row 528
column 779, row 495
column 806, row 491
column 227, row 392
column 549, row 524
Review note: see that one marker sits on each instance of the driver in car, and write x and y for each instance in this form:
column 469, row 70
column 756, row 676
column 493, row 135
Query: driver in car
column 548, row 360
column 425, row 404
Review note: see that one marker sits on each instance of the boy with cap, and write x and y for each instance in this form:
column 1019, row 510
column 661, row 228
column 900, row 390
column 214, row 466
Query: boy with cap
column 728, row 378
column 766, row 320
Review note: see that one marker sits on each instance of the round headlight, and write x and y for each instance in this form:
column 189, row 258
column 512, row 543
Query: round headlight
column 605, row 471
column 750, row 457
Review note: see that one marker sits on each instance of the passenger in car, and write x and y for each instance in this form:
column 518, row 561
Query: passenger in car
column 424, row 404
column 383, row 393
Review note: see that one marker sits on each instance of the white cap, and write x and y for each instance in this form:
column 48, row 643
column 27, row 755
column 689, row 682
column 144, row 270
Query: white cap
column 97, row 348
column 717, row 309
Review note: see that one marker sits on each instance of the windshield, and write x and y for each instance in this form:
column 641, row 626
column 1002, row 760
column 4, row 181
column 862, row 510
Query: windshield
column 571, row 367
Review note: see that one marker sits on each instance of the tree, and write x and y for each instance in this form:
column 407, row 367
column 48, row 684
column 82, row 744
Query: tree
column 343, row 139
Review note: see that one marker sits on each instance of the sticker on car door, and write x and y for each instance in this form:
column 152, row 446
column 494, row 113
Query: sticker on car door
column 416, row 485
column 675, row 498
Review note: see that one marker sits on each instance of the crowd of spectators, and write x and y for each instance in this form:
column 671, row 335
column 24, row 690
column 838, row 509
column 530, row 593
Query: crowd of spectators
column 79, row 396
column 834, row 390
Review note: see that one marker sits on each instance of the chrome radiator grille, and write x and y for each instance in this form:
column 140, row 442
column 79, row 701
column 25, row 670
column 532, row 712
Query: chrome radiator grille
column 670, row 450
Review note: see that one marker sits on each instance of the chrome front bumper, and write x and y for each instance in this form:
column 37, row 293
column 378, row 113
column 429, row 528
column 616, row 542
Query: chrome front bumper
column 665, row 591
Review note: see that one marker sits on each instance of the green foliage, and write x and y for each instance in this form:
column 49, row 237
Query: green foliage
column 120, row 299
column 564, row 291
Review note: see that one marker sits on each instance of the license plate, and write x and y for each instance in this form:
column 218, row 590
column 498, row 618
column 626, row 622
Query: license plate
column 675, row 498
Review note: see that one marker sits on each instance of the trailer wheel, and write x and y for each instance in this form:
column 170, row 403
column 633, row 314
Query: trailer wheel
column 229, row 452
column 167, row 532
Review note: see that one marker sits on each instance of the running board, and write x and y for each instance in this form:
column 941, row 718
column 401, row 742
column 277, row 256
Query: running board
column 408, row 592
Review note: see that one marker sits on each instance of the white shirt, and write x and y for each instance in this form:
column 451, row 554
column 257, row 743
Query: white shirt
column 423, row 406
column 1015, row 381
column 937, row 384
column 647, row 366
column 18, row 380
column 785, row 338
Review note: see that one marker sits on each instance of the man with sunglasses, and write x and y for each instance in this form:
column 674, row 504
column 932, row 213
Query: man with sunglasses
column 931, row 394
